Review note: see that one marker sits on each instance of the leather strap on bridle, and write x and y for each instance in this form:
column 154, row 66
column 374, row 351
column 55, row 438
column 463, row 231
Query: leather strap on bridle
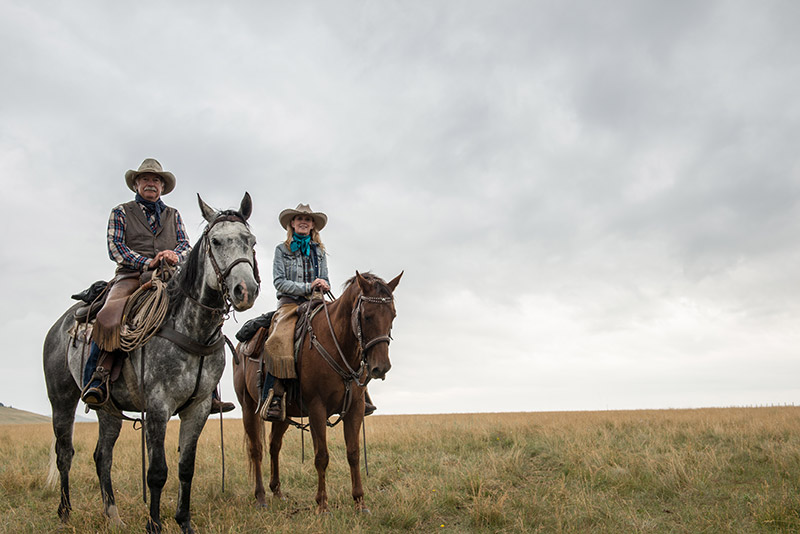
column 221, row 275
column 350, row 375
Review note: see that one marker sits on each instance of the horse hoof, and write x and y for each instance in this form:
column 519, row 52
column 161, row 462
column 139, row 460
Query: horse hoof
column 365, row 511
column 153, row 527
column 113, row 517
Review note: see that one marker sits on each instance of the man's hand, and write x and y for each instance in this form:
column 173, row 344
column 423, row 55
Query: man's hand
column 168, row 256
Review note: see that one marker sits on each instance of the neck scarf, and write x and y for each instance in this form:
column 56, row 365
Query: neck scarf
column 152, row 208
column 301, row 243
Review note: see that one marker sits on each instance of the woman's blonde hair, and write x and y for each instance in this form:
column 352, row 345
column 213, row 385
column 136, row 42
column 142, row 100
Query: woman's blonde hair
column 314, row 237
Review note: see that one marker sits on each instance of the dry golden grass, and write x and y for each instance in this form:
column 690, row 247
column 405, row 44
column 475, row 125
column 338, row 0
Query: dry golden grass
column 684, row 471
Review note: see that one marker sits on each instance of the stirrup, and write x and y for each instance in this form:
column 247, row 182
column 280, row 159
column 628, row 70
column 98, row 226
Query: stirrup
column 95, row 396
column 273, row 404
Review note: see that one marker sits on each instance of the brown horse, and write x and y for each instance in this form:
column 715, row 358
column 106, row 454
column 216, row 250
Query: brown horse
column 347, row 344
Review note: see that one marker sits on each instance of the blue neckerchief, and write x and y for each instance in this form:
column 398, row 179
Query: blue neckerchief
column 301, row 243
column 152, row 207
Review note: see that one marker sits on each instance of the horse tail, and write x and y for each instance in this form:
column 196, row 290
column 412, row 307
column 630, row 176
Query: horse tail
column 256, row 448
column 52, row 472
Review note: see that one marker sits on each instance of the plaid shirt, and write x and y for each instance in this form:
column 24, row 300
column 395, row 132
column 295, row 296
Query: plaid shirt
column 120, row 253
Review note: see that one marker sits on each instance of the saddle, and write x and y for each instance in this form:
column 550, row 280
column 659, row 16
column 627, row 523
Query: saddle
column 253, row 334
column 253, row 347
column 94, row 297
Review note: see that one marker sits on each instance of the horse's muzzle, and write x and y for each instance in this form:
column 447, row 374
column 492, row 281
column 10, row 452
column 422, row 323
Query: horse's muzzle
column 244, row 295
column 379, row 371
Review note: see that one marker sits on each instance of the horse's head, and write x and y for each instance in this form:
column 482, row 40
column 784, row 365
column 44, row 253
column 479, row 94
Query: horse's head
column 230, row 261
column 372, row 321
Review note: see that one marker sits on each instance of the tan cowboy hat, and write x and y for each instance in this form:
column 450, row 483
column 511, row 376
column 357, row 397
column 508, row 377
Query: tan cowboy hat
column 153, row 166
column 319, row 218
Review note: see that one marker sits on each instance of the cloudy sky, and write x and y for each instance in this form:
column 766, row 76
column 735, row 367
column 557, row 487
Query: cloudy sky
column 596, row 204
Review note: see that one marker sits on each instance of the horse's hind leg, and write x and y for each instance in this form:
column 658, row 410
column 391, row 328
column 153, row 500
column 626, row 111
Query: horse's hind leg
column 254, row 431
column 63, row 423
column 275, row 443
column 64, row 394
column 103, row 458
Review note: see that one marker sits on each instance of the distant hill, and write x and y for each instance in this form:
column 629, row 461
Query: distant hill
column 12, row 416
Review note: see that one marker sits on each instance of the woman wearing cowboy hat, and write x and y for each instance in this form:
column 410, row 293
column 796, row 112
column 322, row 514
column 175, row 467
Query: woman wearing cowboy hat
column 299, row 269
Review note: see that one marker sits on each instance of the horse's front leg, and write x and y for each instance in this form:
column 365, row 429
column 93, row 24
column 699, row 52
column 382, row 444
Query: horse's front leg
column 317, row 418
column 275, row 443
column 192, row 421
column 352, row 426
column 156, row 428
column 103, row 457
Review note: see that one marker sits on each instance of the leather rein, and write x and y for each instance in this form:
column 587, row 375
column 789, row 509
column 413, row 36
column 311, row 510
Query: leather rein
column 350, row 375
column 192, row 346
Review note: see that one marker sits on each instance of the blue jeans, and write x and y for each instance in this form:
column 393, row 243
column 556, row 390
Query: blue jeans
column 91, row 365
column 268, row 383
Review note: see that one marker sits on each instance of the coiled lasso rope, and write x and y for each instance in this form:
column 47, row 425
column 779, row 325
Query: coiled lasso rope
column 145, row 311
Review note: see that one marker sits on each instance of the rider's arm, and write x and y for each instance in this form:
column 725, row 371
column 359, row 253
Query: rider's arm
column 118, row 251
column 283, row 274
column 323, row 266
column 183, row 247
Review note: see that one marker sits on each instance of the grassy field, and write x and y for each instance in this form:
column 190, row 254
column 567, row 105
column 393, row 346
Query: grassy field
column 13, row 416
column 679, row 471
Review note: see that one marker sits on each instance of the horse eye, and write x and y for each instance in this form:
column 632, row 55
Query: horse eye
column 215, row 242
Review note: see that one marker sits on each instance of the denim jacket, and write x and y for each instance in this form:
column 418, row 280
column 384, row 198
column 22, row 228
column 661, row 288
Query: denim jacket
column 287, row 271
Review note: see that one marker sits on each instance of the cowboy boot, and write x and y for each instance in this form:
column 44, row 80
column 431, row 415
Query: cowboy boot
column 218, row 405
column 95, row 394
column 369, row 408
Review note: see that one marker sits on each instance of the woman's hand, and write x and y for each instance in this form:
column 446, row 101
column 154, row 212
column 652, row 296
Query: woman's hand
column 320, row 284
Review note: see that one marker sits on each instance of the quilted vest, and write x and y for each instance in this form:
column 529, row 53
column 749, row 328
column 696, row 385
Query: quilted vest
column 140, row 238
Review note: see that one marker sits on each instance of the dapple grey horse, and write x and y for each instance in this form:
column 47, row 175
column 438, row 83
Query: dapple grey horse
column 179, row 373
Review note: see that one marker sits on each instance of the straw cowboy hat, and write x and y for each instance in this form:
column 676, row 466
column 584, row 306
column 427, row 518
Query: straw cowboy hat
column 319, row 218
column 153, row 166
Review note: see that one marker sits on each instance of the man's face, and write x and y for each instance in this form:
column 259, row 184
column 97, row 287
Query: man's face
column 149, row 186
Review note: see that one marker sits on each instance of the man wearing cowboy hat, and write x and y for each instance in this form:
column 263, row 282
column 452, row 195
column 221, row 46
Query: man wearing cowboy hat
column 141, row 234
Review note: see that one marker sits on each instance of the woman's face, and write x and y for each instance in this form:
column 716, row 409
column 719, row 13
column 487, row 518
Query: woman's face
column 302, row 224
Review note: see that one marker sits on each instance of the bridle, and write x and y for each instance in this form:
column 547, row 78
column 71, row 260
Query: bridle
column 219, row 273
column 356, row 325
column 351, row 374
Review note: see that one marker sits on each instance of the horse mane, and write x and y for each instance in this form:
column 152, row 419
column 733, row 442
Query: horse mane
column 370, row 277
column 186, row 278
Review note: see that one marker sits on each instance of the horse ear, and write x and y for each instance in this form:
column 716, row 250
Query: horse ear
column 208, row 212
column 247, row 206
column 363, row 283
column 395, row 281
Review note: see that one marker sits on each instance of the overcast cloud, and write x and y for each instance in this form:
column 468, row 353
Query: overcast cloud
column 596, row 205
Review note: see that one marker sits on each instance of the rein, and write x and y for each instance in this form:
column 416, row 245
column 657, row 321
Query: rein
column 349, row 375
